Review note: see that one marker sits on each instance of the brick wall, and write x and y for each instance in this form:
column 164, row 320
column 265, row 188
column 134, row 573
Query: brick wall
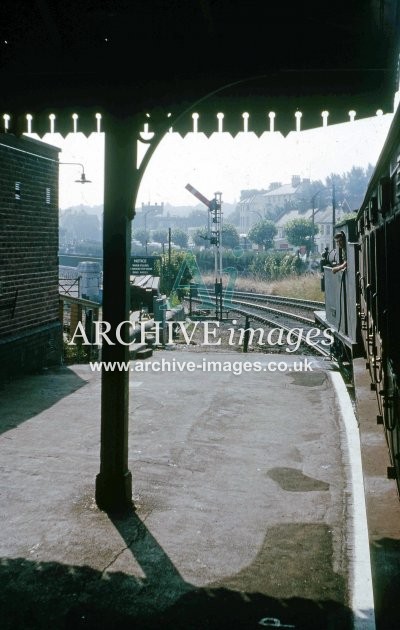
column 30, row 333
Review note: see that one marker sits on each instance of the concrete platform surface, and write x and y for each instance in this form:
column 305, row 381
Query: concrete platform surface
column 241, row 492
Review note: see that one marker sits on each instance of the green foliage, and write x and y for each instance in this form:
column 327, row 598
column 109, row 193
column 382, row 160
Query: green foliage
column 237, row 258
column 160, row 235
column 174, row 262
column 299, row 232
column 200, row 237
column 230, row 236
column 262, row 233
column 197, row 217
column 234, row 217
column 259, row 265
column 180, row 237
column 350, row 187
column 171, row 267
column 347, row 216
column 174, row 300
column 75, row 353
column 276, row 265
column 205, row 260
column 141, row 235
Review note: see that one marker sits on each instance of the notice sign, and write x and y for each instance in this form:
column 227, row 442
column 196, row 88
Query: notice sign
column 144, row 265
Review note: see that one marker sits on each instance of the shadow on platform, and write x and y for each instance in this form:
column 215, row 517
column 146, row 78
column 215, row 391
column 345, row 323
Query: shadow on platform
column 385, row 554
column 42, row 595
column 38, row 393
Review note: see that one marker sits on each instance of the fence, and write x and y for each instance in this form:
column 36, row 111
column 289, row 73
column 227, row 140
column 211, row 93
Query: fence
column 69, row 281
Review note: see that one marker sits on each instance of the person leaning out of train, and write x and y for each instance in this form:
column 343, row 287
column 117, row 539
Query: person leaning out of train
column 340, row 239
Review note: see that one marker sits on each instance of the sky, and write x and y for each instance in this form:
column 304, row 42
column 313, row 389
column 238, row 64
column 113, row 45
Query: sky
column 222, row 163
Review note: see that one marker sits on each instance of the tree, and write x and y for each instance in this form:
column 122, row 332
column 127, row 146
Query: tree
column 141, row 235
column 234, row 216
column 200, row 237
column 180, row 237
column 347, row 215
column 262, row 233
column 299, row 232
column 197, row 217
column 230, row 236
column 311, row 193
column 81, row 226
column 355, row 187
column 350, row 187
column 160, row 236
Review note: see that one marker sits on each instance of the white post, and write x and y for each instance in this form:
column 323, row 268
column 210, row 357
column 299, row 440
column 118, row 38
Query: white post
column 195, row 118
column 271, row 117
column 98, row 123
column 298, row 116
column 29, row 123
column 6, row 119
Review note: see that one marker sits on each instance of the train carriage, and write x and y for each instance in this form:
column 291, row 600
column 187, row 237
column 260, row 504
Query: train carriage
column 362, row 304
column 341, row 300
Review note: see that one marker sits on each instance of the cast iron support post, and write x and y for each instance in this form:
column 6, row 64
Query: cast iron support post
column 114, row 481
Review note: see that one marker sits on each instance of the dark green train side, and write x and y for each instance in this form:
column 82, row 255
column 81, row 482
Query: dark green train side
column 362, row 304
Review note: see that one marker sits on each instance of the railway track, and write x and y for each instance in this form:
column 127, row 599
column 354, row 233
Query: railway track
column 277, row 299
column 254, row 307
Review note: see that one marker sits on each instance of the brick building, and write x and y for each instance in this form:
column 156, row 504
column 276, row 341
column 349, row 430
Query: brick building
column 30, row 330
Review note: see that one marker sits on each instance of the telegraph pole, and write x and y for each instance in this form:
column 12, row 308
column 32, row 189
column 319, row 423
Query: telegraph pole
column 216, row 240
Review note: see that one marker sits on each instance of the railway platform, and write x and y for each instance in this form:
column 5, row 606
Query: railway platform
column 382, row 503
column 248, row 499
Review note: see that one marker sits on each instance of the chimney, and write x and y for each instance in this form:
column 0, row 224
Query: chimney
column 274, row 185
column 295, row 181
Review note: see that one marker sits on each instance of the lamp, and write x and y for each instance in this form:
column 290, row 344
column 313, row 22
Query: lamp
column 82, row 179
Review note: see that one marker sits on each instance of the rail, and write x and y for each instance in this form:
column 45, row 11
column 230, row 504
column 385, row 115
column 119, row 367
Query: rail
column 279, row 299
column 279, row 319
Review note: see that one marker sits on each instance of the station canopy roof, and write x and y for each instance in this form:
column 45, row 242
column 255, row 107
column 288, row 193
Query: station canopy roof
column 129, row 58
